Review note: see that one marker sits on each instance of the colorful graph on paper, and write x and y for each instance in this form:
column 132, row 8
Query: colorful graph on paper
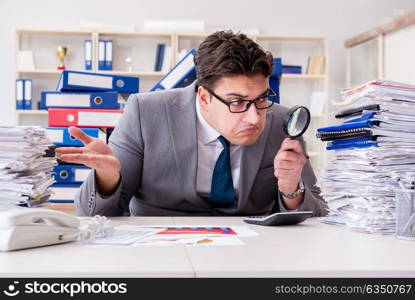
column 199, row 230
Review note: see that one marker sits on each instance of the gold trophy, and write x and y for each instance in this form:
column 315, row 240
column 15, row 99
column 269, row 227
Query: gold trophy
column 62, row 52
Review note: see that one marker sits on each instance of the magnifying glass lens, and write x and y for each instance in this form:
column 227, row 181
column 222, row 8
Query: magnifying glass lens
column 296, row 121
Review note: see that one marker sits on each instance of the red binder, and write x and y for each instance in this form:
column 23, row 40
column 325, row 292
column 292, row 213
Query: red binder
column 97, row 118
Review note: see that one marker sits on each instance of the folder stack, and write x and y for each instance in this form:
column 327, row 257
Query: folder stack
column 373, row 155
column 25, row 175
column 68, row 177
column 291, row 69
column 89, row 101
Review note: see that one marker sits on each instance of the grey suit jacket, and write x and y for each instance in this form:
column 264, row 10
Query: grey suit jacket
column 156, row 143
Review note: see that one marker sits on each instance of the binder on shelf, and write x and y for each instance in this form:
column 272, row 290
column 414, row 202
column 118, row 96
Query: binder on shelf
column 161, row 48
column 108, row 55
column 64, row 193
column 275, row 78
column 291, row 69
column 277, row 69
column 71, row 173
column 60, row 136
column 102, row 118
column 88, row 54
column 19, row 93
column 101, row 55
column 27, row 94
column 181, row 75
column 157, row 57
column 316, row 65
column 168, row 57
column 162, row 56
column 105, row 100
column 95, row 82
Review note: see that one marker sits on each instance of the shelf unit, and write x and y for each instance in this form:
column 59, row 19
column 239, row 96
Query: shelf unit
column 45, row 75
column 295, row 88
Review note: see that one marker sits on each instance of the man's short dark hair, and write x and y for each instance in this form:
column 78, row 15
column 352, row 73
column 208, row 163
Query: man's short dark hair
column 225, row 53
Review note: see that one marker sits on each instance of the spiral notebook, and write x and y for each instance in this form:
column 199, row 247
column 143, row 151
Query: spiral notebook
column 352, row 129
column 344, row 134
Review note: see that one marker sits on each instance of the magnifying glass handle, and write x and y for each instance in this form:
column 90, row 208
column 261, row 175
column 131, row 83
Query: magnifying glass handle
column 305, row 154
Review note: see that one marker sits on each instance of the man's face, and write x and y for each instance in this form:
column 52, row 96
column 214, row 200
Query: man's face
column 238, row 128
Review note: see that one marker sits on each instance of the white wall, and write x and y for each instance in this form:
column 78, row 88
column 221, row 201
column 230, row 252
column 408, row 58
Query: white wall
column 399, row 49
column 337, row 20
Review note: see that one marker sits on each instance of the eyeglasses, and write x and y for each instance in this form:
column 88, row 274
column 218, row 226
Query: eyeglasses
column 239, row 106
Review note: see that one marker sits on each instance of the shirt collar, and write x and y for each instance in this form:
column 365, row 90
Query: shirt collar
column 206, row 133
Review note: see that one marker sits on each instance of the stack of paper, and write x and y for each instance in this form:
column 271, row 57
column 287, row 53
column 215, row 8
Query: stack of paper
column 374, row 154
column 25, row 174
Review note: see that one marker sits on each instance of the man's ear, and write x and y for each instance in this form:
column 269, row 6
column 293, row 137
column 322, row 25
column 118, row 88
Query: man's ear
column 203, row 97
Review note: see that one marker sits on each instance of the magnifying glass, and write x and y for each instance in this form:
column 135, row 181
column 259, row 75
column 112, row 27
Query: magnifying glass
column 296, row 121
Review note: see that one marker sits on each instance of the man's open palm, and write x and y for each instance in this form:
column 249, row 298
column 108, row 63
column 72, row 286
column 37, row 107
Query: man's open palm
column 95, row 154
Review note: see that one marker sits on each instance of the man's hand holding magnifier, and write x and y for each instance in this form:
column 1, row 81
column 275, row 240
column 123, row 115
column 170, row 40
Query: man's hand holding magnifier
column 290, row 159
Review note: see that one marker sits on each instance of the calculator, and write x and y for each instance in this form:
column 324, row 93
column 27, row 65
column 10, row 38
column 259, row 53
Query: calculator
column 280, row 218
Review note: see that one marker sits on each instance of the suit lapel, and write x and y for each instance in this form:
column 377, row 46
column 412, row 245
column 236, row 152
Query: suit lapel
column 181, row 114
column 250, row 162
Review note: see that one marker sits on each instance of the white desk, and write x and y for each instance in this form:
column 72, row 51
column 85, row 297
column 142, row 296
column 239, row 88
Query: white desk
column 77, row 260
column 310, row 249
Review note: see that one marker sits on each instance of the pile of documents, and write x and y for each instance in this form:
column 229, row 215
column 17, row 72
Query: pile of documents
column 25, row 175
column 374, row 155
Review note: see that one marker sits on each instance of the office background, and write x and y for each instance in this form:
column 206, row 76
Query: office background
column 336, row 20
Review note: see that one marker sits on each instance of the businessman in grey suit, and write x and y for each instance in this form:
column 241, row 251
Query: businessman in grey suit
column 215, row 147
